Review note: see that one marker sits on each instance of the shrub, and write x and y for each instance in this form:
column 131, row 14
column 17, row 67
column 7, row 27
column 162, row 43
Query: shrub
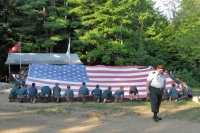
column 187, row 76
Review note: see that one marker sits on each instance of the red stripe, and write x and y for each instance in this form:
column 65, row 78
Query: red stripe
column 117, row 72
column 120, row 77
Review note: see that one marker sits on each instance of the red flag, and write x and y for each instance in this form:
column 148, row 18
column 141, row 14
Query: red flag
column 14, row 49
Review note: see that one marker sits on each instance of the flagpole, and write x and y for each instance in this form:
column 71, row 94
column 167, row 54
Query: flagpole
column 20, row 52
column 68, row 51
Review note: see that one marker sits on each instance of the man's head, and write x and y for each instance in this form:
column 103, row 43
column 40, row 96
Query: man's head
column 170, row 72
column 121, row 87
column 109, row 87
column 33, row 84
column 57, row 84
column 184, row 83
column 68, row 87
column 160, row 69
column 173, row 84
column 83, row 83
column 97, row 86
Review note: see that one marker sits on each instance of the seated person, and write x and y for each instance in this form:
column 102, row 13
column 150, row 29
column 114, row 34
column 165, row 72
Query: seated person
column 32, row 93
column 107, row 94
column 119, row 94
column 165, row 95
column 184, row 94
column 97, row 92
column 83, row 92
column 188, row 89
column 133, row 91
column 56, row 93
column 22, row 93
column 13, row 92
column 69, row 94
column 180, row 92
column 45, row 94
column 178, row 81
column 173, row 93
column 171, row 75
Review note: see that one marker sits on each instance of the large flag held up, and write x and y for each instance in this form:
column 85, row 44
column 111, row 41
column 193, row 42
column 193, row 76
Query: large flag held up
column 15, row 48
column 104, row 76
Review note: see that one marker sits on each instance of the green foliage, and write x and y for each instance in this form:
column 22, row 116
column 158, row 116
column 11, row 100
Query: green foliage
column 109, row 32
column 187, row 76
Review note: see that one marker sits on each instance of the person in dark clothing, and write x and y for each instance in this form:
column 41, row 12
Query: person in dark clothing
column 173, row 93
column 178, row 81
column 188, row 89
column 56, row 93
column 133, row 92
column 165, row 95
column 13, row 92
column 107, row 95
column 97, row 92
column 32, row 93
column 184, row 94
column 119, row 94
column 69, row 94
column 45, row 94
column 83, row 92
column 22, row 93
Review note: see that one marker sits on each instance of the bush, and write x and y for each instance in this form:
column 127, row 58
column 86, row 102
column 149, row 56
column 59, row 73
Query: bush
column 187, row 76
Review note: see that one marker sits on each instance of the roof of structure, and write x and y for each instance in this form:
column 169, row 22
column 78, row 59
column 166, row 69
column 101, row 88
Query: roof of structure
column 47, row 58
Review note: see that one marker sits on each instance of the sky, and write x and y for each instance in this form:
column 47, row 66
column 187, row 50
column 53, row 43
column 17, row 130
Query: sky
column 166, row 6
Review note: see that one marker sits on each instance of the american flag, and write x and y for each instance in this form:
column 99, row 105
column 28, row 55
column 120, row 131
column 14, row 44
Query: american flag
column 104, row 76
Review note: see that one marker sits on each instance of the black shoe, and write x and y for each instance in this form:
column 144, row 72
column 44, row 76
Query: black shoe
column 157, row 118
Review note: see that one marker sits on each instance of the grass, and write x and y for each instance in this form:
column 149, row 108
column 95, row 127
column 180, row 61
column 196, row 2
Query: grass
column 196, row 91
column 182, row 110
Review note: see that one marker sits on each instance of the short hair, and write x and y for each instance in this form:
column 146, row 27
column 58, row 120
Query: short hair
column 33, row 84
column 173, row 84
column 83, row 83
column 109, row 87
column 68, row 87
column 97, row 86
column 121, row 87
column 57, row 84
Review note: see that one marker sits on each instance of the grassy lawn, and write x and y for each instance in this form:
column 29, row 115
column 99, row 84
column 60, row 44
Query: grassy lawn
column 182, row 110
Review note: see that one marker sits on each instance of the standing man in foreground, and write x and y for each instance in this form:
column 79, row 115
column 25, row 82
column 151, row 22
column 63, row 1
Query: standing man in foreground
column 155, row 85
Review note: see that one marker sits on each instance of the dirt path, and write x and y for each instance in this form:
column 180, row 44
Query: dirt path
column 79, row 121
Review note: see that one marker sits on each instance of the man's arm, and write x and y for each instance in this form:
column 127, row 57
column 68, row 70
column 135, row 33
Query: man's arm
column 147, row 87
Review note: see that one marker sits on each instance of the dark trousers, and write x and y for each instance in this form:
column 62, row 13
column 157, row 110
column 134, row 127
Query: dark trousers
column 155, row 98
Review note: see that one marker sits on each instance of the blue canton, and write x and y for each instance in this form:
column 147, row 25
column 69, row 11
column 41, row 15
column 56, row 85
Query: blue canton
column 74, row 73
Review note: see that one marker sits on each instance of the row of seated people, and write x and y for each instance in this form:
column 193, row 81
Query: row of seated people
column 23, row 94
column 182, row 93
